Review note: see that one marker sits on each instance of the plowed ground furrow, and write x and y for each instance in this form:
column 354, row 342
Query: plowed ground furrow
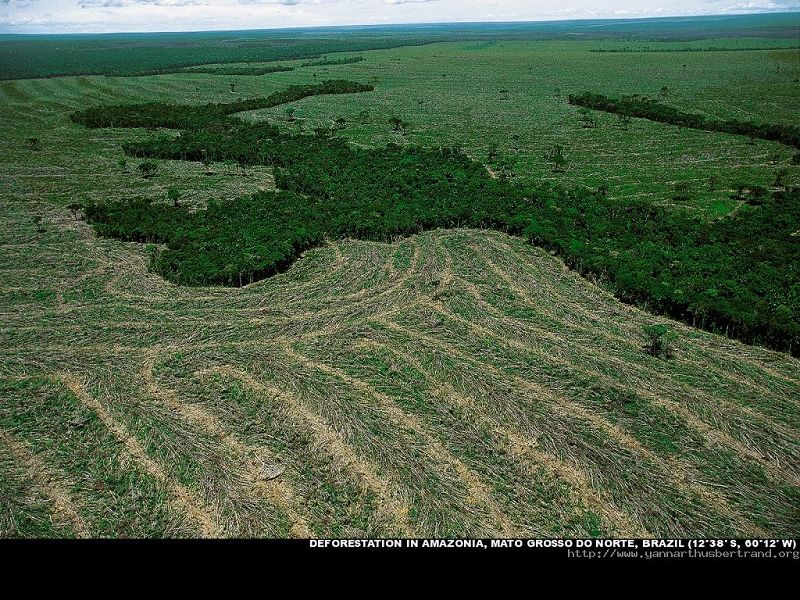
column 539, row 272
column 477, row 491
column 14, row 92
column 48, row 93
column 434, row 496
column 296, row 302
column 113, row 494
column 570, row 317
column 528, row 501
column 724, row 423
column 634, row 372
column 393, row 508
column 25, row 107
column 438, row 500
column 362, row 272
column 64, row 517
column 400, row 292
column 741, row 475
column 244, row 512
column 644, row 474
column 166, row 298
column 639, row 372
column 587, row 389
column 775, row 411
column 373, row 261
column 330, row 496
column 27, row 511
column 107, row 93
column 557, row 487
column 182, row 498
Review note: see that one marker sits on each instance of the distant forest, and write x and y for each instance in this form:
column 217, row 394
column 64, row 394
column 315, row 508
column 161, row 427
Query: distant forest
column 32, row 56
column 157, row 54
column 739, row 275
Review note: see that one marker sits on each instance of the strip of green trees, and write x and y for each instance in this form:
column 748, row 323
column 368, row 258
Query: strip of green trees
column 325, row 62
column 158, row 114
column 247, row 71
column 739, row 275
column 653, row 110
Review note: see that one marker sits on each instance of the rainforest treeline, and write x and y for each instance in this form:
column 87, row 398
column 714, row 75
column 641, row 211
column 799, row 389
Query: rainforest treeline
column 241, row 70
column 738, row 275
column 127, row 55
column 159, row 114
column 325, row 62
column 653, row 110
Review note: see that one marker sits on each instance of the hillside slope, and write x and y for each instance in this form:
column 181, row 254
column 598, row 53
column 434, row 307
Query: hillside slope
column 452, row 383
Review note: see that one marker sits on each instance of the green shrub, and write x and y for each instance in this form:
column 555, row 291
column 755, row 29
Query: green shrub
column 148, row 169
column 658, row 340
column 174, row 196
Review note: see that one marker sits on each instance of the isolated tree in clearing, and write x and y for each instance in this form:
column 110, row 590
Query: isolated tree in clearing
column 174, row 196
column 74, row 208
column 658, row 340
column 555, row 155
column 148, row 169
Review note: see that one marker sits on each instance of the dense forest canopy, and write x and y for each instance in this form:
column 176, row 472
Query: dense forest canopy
column 739, row 275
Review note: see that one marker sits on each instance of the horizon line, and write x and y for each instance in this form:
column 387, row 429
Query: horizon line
column 620, row 20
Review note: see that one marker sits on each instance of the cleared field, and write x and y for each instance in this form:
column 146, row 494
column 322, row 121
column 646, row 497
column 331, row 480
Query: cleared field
column 453, row 383
column 458, row 382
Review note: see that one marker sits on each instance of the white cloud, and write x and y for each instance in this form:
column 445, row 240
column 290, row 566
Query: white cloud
column 38, row 16
column 123, row 3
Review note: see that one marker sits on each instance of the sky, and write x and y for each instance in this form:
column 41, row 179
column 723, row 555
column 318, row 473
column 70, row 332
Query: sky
column 98, row 16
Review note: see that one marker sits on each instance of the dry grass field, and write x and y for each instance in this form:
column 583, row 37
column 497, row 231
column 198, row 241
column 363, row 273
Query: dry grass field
column 453, row 383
